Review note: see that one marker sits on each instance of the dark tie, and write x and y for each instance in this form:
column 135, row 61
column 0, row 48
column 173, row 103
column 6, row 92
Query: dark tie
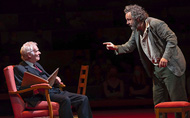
column 37, row 68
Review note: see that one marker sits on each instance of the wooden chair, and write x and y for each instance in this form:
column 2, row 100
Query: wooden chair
column 172, row 107
column 81, row 89
column 82, row 82
column 20, row 109
column 83, row 79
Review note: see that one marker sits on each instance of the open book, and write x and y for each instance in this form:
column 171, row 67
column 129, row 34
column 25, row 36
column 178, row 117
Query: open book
column 31, row 79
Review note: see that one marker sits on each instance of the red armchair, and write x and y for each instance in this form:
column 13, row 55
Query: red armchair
column 20, row 109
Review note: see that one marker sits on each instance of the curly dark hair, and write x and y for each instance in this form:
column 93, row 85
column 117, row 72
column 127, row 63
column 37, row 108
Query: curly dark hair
column 137, row 12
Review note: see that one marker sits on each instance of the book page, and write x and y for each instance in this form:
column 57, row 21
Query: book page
column 30, row 79
column 52, row 77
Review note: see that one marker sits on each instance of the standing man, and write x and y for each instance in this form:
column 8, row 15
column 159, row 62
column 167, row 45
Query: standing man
column 30, row 54
column 159, row 53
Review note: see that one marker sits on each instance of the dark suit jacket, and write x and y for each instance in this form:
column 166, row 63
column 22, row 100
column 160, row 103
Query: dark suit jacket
column 162, row 38
column 18, row 74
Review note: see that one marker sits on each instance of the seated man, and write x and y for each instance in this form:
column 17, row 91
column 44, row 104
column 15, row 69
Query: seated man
column 30, row 54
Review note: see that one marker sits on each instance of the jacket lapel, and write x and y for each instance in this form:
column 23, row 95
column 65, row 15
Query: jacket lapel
column 30, row 69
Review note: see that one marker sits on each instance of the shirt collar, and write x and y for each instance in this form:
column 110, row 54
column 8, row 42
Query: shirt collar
column 146, row 29
column 147, row 26
column 30, row 64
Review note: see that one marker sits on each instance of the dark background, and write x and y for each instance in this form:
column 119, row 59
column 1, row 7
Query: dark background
column 71, row 32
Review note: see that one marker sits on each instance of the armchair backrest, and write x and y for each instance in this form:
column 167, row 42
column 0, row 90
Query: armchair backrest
column 17, row 102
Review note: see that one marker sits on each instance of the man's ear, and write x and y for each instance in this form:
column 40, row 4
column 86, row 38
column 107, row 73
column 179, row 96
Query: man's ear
column 138, row 20
column 29, row 55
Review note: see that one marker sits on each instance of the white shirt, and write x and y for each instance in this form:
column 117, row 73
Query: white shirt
column 147, row 47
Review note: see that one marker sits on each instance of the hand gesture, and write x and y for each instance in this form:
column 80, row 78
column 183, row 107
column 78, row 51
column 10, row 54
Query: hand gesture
column 110, row 46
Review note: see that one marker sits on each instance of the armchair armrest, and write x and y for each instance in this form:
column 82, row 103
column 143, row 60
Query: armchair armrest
column 62, row 85
column 44, row 86
column 40, row 86
column 33, row 87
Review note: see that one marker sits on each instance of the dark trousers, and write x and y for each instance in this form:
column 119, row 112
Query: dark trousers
column 167, row 85
column 67, row 99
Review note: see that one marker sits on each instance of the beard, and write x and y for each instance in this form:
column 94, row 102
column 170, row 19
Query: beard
column 134, row 25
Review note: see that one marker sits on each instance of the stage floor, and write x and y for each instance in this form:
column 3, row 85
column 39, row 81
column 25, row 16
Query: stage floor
column 120, row 113
column 127, row 113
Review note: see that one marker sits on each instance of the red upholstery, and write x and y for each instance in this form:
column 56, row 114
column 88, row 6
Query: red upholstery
column 172, row 104
column 42, row 105
column 36, row 113
column 172, row 107
column 18, row 105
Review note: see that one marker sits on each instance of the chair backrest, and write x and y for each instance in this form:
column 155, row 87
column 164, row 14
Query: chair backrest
column 17, row 102
column 83, row 79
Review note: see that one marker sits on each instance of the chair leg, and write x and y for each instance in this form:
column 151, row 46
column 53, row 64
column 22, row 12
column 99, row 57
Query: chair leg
column 49, row 104
column 183, row 114
column 163, row 115
column 157, row 113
